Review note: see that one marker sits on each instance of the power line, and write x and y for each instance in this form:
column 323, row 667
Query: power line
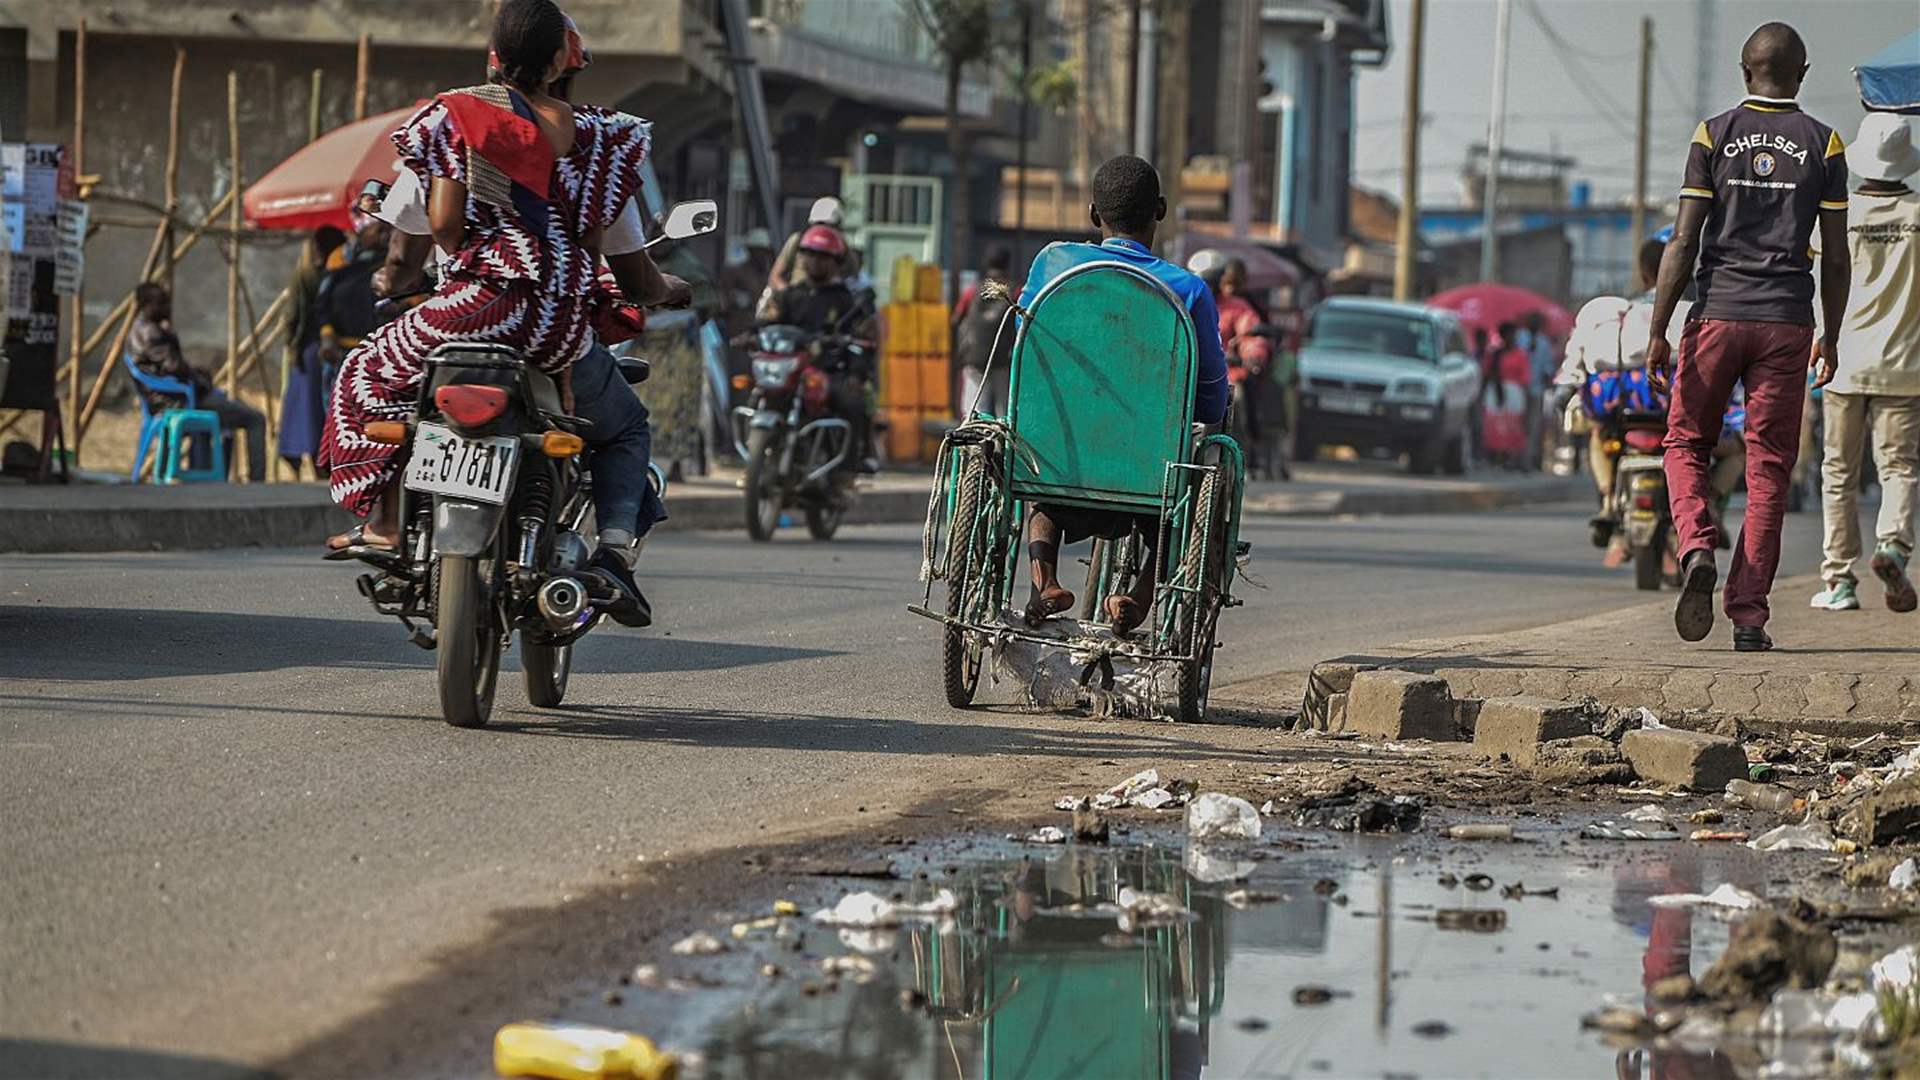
column 1590, row 87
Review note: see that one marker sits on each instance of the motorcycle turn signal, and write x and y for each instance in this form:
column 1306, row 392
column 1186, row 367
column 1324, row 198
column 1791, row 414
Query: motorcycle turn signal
column 387, row 432
column 561, row 444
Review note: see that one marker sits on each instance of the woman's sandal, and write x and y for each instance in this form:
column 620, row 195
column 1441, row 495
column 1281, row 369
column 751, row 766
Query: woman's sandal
column 353, row 544
column 1047, row 602
column 1125, row 614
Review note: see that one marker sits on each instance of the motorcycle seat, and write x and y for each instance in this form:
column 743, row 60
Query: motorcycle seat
column 546, row 392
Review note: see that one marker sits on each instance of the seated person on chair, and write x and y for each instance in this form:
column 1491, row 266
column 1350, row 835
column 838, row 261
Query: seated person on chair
column 1127, row 208
column 156, row 352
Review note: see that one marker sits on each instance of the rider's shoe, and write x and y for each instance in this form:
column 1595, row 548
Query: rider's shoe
column 630, row 607
column 1890, row 566
column 1840, row 596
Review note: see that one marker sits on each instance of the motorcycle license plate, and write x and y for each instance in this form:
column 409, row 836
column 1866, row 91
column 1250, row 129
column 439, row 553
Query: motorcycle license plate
column 445, row 463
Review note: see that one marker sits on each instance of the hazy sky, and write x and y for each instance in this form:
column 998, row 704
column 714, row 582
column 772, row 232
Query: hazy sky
column 1552, row 89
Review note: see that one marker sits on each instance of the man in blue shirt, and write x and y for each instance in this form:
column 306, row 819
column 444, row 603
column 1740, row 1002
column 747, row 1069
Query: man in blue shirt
column 1127, row 209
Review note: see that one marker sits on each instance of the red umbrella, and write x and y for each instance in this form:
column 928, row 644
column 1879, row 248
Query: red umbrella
column 318, row 184
column 1488, row 304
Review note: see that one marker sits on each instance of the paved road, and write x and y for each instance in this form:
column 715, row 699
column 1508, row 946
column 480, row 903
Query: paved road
column 234, row 818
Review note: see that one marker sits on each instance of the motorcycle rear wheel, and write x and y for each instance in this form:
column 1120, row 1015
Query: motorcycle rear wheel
column 763, row 484
column 467, row 661
column 546, row 668
column 824, row 521
column 1647, row 559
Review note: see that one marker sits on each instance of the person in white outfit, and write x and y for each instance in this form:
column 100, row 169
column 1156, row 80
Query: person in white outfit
column 1875, row 399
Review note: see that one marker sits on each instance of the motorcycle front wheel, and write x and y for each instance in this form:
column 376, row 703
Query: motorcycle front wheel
column 763, row 484
column 468, row 654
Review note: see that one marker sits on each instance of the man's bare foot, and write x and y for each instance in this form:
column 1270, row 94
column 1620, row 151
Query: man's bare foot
column 1050, row 600
column 1125, row 613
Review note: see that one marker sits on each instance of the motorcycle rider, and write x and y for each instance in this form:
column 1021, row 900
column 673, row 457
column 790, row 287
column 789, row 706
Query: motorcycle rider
column 619, row 438
column 826, row 211
column 822, row 303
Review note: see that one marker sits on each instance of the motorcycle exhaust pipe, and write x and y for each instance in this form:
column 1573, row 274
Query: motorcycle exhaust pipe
column 561, row 602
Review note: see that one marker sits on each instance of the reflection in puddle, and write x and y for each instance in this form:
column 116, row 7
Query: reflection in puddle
column 1352, row 959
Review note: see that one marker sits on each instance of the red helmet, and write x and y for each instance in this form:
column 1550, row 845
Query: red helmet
column 823, row 240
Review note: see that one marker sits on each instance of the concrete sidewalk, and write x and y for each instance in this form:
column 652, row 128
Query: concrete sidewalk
column 125, row 517
column 1855, row 671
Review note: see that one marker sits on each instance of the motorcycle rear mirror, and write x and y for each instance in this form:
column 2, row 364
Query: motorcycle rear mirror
column 695, row 217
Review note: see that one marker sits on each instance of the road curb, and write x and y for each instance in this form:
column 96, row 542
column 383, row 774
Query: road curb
column 1439, row 501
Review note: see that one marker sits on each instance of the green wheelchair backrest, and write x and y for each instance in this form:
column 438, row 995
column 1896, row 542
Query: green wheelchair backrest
column 1102, row 388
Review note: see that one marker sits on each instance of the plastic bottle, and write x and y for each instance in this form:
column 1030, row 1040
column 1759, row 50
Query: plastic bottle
column 1481, row 832
column 1759, row 796
column 577, row 1052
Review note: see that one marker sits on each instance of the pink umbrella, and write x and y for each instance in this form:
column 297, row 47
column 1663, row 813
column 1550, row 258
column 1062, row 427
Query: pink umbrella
column 318, row 184
column 1488, row 304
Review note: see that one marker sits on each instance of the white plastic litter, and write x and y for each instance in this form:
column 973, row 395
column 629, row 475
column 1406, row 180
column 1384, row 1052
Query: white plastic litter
column 1152, row 799
column 1048, row 834
column 1071, row 670
column 1266, row 808
column 1905, row 876
column 861, row 910
column 1895, row 970
column 1141, row 909
column 1648, row 721
column 1650, row 813
column 1066, row 802
column 1807, row 836
column 858, row 968
column 1616, row 830
column 1210, row 866
column 699, row 944
column 1214, row 816
column 1731, row 897
column 1144, row 780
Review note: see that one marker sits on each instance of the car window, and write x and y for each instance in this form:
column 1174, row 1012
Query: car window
column 1372, row 331
column 1456, row 341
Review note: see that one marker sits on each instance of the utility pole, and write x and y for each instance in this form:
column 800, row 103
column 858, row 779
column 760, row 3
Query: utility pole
column 1496, row 135
column 1642, row 124
column 1026, row 104
column 1146, row 119
column 1245, row 40
column 1133, row 70
column 1407, row 239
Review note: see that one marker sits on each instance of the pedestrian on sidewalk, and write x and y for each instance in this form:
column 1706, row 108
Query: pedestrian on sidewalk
column 1758, row 178
column 156, row 351
column 1876, row 394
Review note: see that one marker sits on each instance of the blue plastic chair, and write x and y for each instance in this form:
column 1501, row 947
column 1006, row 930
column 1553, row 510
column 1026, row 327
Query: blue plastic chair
column 172, row 426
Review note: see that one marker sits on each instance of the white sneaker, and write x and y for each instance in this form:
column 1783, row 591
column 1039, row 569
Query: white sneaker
column 1839, row 596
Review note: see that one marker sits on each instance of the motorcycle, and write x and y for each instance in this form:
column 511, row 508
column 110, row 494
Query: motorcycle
column 794, row 447
column 1638, row 502
column 496, row 514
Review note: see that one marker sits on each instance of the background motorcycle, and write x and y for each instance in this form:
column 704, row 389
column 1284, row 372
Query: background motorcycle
column 1638, row 502
column 496, row 513
column 794, row 447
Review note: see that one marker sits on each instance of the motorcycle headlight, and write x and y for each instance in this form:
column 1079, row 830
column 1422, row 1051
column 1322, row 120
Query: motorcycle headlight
column 772, row 372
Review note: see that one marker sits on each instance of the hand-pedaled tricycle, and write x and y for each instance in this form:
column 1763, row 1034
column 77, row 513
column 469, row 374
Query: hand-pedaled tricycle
column 1099, row 417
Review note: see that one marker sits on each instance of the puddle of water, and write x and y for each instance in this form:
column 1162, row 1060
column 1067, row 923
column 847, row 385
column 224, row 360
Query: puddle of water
column 1427, row 980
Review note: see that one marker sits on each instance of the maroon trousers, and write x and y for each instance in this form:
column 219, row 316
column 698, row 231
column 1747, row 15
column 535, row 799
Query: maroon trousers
column 1770, row 361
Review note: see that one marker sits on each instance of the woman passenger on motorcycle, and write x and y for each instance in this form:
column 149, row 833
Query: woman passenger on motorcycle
column 521, row 187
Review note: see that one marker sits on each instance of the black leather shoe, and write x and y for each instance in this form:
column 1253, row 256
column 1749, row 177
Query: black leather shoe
column 1751, row 639
column 1693, row 614
column 630, row 607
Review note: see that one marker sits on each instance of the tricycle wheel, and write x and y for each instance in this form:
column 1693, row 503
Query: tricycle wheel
column 969, row 573
column 763, row 484
column 1202, row 564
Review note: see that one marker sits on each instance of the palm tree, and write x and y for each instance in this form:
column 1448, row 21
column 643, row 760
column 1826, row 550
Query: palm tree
column 962, row 33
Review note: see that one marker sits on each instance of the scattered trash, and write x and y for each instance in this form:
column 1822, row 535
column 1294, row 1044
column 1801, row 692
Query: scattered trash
column 785, row 907
column 1242, row 899
column 1673, row 988
column 1048, row 834
column 1630, row 1022
column 1766, row 951
column 1266, row 808
column 1895, row 971
column 1760, row 772
column 1731, row 897
column 1806, row 836
column 1481, row 832
column 1614, row 830
column 1143, row 909
column 1709, row 816
column 1446, row 880
column 699, row 943
column 1477, row 920
column 1068, row 802
column 1356, row 807
column 1646, row 718
column 858, row 968
column 1208, row 866
column 1152, row 799
column 1758, row 796
column 1905, row 876
column 1650, row 814
column 1519, row 891
column 1223, row 817
column 577, row 1052
column 1818, row 1014
column 1433, row 1029
column 1139, row 783
column 743, row 929
column 1478, row 882
column 1705, row 835
column 859, row 910
column 1312, row 995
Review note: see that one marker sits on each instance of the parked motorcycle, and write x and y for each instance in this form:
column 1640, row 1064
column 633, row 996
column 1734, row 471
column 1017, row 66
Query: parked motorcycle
column 794, row 447
column 496, row 519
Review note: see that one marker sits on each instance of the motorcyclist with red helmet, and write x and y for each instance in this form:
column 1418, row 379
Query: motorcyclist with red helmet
column 822, row 303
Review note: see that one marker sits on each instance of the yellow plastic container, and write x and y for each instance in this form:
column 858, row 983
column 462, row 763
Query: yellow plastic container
column 578, row 1052
column 936, row 385
column 926, row 283
column 900, row 381
column 933, row 329
column 905, row 275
